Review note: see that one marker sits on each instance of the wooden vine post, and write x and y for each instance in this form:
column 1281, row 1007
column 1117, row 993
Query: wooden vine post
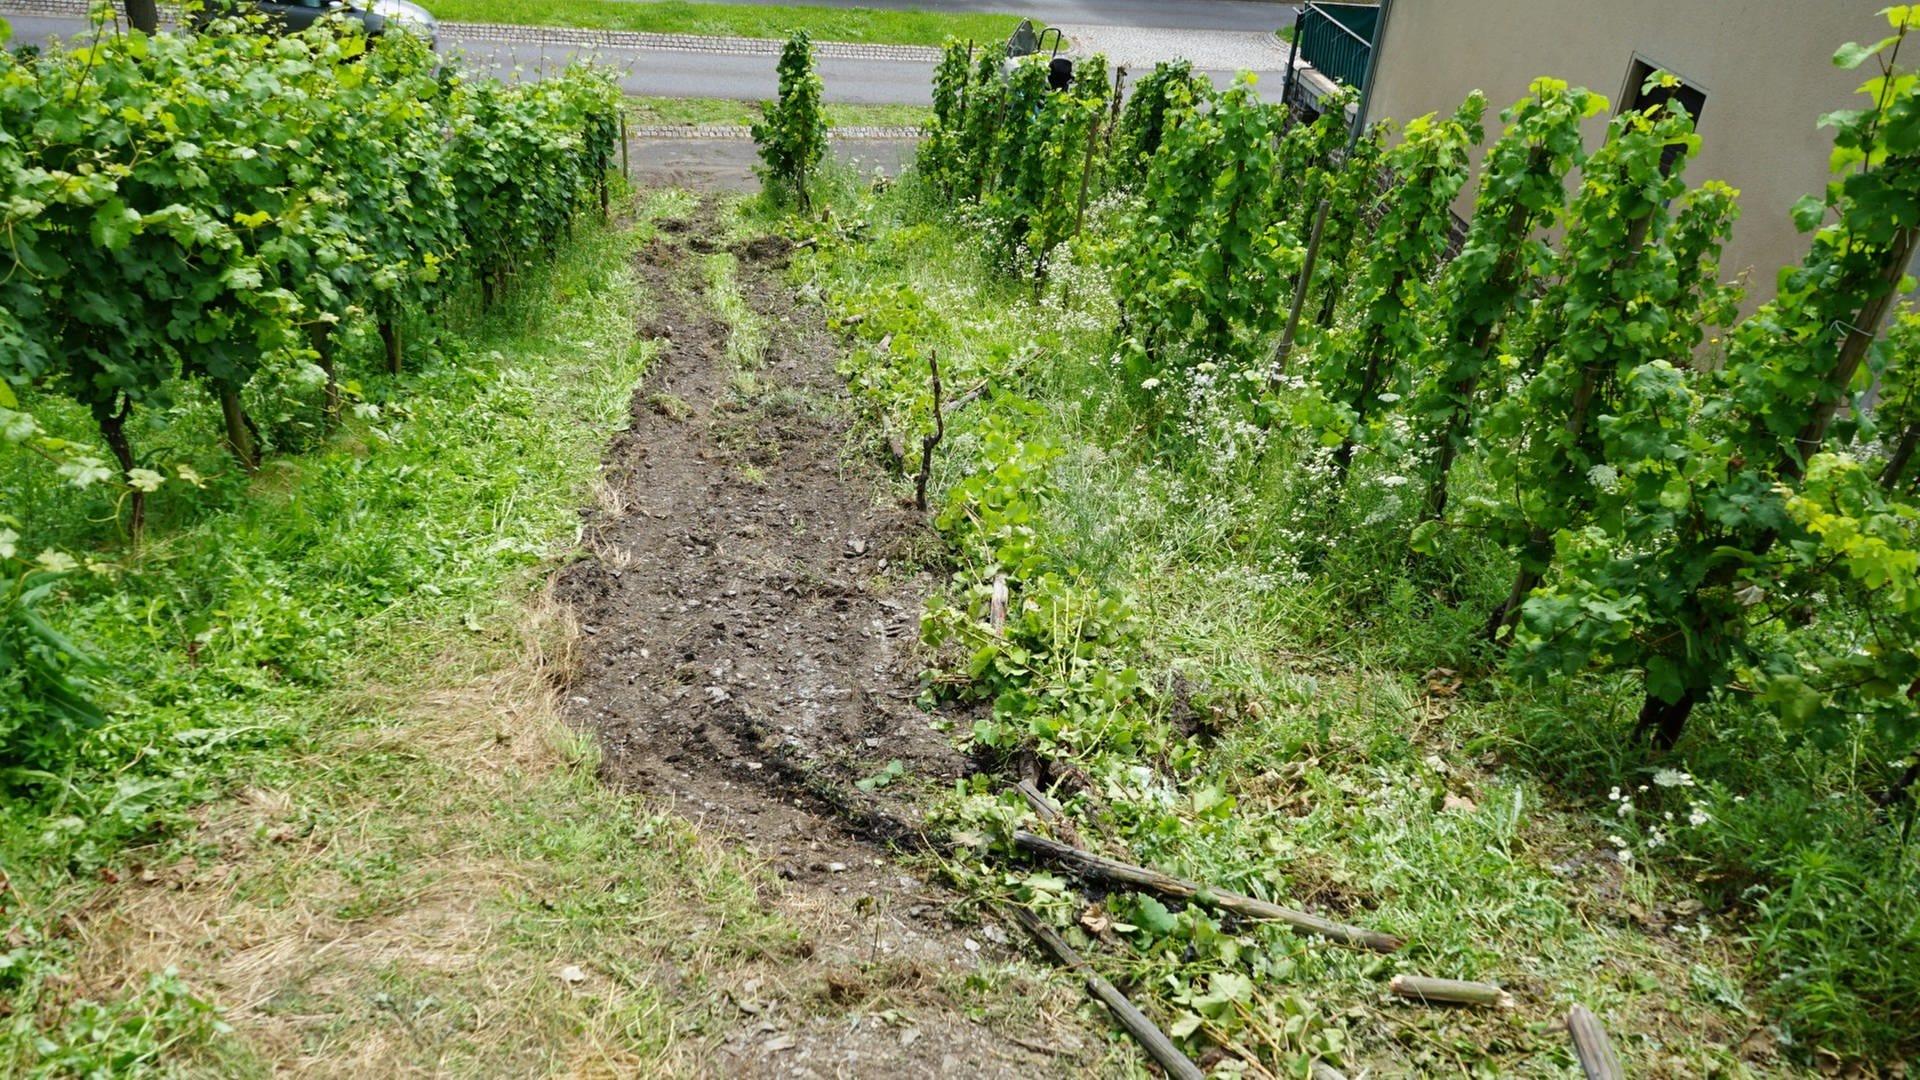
column 144, row 15
column 239, row 437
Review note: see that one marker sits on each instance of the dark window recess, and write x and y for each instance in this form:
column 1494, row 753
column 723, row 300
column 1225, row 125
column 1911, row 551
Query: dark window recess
column 1641, row 97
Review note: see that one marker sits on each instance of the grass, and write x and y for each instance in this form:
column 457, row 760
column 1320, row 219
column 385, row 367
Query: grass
column 721, row 111
column 1313, row 741
column 336, row 822
column 735, row 20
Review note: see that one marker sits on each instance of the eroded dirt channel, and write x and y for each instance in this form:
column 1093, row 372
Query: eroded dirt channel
column 749, row 604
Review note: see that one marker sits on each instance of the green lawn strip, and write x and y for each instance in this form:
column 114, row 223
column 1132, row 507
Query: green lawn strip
column 1319, row 774
column 735, row 20
column 724, row 112
column 331, row 722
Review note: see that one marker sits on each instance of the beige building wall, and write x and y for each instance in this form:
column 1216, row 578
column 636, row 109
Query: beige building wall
column 1765, row 65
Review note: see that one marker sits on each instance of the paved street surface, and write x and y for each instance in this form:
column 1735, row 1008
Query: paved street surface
column 720, row 68
column 1178, row 14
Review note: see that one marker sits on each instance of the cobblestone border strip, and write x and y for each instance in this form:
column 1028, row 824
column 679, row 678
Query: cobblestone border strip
column 511, row 34
column 851, row 133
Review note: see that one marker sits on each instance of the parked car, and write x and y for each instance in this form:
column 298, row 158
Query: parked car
column 376, row 16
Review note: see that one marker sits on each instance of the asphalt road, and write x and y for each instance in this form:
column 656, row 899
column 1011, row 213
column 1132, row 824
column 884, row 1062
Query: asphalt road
column 647, row 72
column 664, row 72
column 1179, row 14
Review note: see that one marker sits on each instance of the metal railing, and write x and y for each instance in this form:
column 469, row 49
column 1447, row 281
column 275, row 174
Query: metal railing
column 1337, row 39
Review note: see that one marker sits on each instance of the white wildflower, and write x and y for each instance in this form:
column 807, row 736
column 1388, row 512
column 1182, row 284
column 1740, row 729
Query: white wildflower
column 1625, row 809
column 1672, row 778
column 8, row 543
column 1698, row 816
column 1604, row 477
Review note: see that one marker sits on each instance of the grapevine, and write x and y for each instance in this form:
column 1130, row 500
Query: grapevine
column 1369, row 364
column 209, row 207
column 1522, row 189
column 793, row 135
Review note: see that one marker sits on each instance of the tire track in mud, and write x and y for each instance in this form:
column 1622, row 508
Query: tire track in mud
column 750, row 604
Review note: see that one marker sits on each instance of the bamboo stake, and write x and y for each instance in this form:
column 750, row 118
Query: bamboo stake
column 1151, row 1038
column 1591, row 1046
column 1112, row 870
column 1450, row 991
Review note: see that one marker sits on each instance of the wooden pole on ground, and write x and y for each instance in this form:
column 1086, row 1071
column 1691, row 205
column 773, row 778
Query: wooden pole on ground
column 1151, row 1038
column 1140, row 877
column 1450, row 991
column 1591, row 1046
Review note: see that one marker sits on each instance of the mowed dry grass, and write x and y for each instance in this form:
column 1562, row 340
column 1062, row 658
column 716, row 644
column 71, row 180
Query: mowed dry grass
column 410, row 902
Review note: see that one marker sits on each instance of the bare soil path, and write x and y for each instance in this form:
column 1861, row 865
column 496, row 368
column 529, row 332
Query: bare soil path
column 749, row 609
